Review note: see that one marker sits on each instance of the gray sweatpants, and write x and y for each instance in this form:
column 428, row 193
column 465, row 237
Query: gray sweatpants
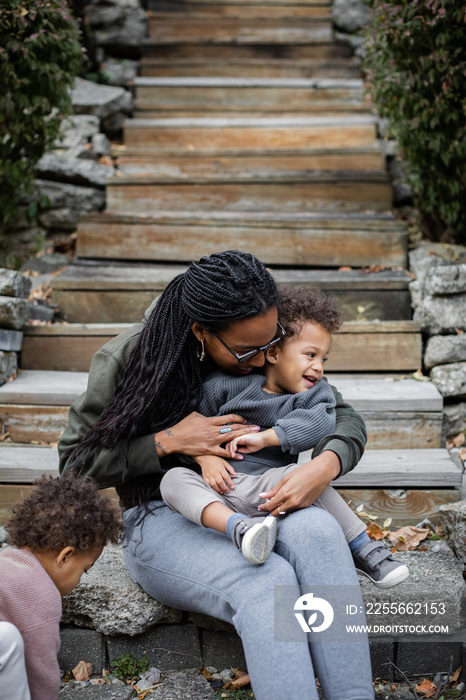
column 191, row 568
column 187, row 493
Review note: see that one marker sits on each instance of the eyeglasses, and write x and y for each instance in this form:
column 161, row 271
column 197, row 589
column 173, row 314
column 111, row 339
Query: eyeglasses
column 247, row 355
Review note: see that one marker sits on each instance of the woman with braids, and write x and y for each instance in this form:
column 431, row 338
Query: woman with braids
column 138, row 418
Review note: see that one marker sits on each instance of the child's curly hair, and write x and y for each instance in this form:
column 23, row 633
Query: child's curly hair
column 300, row 305
column 62, row 512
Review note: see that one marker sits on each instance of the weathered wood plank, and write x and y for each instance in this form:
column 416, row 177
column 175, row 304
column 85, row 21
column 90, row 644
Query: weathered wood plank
column 111, row 294
column 229, row 134
column 426, row 469
column 400, row 429
column 194, row 163
column 167, row 29
column 71, row 347
column 324, row 195
column 404, row 507
column 230, row 50
column 33, row 423
column 423, row 468
column 311, row 68
column 174, row 11
column 44, row 388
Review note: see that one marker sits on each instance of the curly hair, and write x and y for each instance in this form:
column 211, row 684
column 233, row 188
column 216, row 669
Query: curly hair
column 64, row 512
column 300, row 305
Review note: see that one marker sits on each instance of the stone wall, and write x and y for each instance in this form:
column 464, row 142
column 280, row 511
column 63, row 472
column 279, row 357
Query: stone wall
column 14, row 312
column 439, row 301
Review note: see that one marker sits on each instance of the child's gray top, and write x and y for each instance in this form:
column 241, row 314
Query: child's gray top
column 300, row 420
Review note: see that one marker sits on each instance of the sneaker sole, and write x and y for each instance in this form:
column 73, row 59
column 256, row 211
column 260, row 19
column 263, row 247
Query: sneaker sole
column 259, row 540
column 395, row 577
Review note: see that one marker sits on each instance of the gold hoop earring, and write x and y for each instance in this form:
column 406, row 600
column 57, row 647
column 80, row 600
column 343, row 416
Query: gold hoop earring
column 202, row 355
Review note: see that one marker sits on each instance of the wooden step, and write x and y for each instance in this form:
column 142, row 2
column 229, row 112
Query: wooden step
column 140, row 162
column 425, row 469
column 34, row 407
column 122, row 293
column 386, row 346
column 338, row 192
column 243, row 94
column 251, row 68
column 187, row 11
column 167, row 28
column 225, row 51
column 399, row 411
column 234, row 133
column 280, row 239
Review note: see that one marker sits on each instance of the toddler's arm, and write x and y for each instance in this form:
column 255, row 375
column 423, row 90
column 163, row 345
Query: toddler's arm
column 252, row 442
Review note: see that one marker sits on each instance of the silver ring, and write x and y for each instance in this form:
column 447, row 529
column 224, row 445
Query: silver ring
column 222, row 431
column 281, row 512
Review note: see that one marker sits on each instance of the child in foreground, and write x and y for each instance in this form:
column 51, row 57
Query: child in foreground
column 56, row 533
column 295, row 410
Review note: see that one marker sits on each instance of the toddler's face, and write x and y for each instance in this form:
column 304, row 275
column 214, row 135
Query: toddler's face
column 298, row 362
column 69, row 574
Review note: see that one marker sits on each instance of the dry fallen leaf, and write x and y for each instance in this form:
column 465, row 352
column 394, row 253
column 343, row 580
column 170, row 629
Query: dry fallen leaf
column 83, row 671
column 427, row 687
column 375, row 532
column 455, row 677
column 459, row 440
column 462, row 454
column 408, row 537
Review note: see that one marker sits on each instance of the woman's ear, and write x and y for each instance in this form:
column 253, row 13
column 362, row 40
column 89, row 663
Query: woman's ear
column 198, row 330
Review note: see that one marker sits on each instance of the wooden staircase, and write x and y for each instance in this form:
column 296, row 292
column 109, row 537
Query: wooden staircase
column 253, row 132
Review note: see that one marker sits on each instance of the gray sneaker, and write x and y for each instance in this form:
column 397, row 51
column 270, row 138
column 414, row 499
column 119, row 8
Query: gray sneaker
column 255, row 539
column 376, row 563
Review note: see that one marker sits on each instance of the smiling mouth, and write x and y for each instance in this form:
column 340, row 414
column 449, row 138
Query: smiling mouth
column 311, row 380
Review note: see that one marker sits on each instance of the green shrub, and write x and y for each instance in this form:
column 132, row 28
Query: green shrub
column 416, row 69
column 40, row 55
column 127, row 666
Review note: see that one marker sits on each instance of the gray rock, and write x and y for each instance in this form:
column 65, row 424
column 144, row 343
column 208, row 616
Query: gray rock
column 31, row 237
column 181, row 685
column 77, row 645
column 10, row 341
column 8, row 366
column 14, row 284
column 100, row 145
column 428, row 255
column 416, row 290
column 101, row 15
column 401, row 190
column 444, row 349
column 110, row 602
column 62, row 195
column 441, row 315
column 72, row 691
column 454, row 419
column 63, row 218
column 114, row 124
column 125, row 40
column 73, row 170
column 50, row 262
column 350, row 15
column 450, row 380
column 3, row 535
column 13, row 312
column 453, row 518
column 119, row 71
column 77, row 130
column 100, row 100
column 446, row 279
column 41, row 312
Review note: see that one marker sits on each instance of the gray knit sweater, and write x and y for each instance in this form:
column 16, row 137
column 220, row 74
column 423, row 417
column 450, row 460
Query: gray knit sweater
column 300, row 420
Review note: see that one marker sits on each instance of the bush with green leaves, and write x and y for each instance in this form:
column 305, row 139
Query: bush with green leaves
column 416, row 69
column 127, row 666
column 40, row 55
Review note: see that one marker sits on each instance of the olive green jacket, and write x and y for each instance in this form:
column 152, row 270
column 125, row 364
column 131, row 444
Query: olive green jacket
column 143, row 464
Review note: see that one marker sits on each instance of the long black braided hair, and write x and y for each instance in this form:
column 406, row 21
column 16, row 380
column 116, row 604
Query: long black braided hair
column 162, row 383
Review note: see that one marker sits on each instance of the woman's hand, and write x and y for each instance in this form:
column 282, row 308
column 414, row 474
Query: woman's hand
column 197, row 435
column 300, row 488
column 216, row 473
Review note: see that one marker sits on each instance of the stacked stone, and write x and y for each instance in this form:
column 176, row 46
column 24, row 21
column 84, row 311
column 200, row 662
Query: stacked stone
column 117, row 28
column 14, row 311
column 439, row 300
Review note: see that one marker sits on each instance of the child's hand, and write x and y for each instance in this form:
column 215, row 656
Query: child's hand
column 216, row 473
column 252, row 442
